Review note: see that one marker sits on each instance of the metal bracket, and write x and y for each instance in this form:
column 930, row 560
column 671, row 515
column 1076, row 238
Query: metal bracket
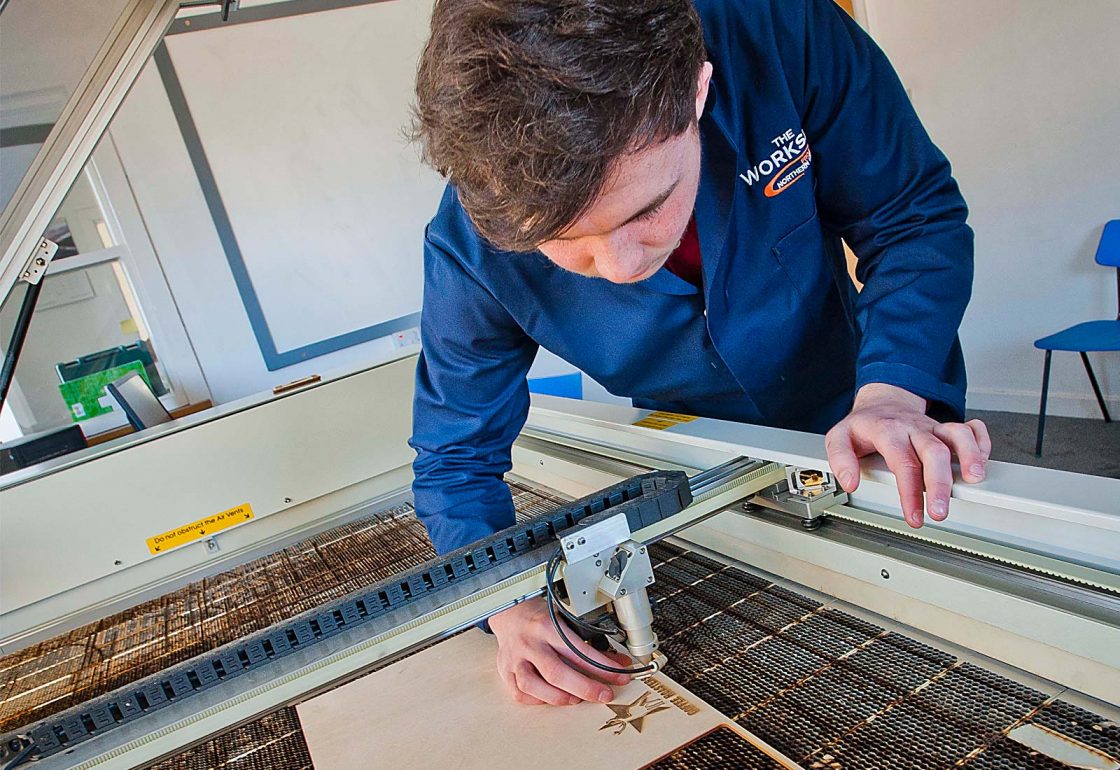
column 805, row 493
column 587, row 541
column 628, row 569
column 39, row 261
column 603, row 566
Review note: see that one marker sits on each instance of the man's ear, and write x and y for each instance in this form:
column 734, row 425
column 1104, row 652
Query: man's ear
column 702, row 87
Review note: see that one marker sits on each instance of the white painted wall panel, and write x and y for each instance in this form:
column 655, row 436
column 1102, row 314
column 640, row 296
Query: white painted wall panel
column 1024, row 98
column 302, row 120
column 174, row 211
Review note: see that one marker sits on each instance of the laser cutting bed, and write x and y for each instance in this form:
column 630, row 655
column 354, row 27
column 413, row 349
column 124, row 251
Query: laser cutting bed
column 856, row 644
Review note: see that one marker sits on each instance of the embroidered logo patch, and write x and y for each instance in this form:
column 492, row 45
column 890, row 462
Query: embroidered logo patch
column 786, row 165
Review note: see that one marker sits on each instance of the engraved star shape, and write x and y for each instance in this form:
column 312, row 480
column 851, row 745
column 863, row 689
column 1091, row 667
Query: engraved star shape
column 633, row 714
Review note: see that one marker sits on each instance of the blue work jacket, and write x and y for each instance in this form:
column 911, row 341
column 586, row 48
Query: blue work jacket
column 807, row 137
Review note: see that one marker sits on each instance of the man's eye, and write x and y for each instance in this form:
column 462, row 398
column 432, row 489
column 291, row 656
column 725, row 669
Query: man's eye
column 651, row 213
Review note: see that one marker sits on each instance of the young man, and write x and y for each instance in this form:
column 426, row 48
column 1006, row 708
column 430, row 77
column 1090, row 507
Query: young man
column 657, row 192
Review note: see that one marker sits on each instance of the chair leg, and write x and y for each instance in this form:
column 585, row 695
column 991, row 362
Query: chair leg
column 1042, row 404
column 1096, row 387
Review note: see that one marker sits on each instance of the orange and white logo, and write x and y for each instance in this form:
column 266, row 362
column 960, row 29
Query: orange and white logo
column 786, row 165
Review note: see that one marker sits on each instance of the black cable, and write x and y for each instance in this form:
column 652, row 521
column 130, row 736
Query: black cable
column 551, row 602
column 571, row 617
column 21, row 756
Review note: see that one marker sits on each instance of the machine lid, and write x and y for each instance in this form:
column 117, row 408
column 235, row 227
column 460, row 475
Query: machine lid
column 67, row 66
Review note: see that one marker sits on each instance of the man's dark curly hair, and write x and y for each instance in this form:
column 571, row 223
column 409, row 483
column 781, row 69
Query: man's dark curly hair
column 524, row 105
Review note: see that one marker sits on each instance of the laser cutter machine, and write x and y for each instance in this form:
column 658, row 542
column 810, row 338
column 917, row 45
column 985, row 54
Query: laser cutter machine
column 126, row 656
column 179, row 624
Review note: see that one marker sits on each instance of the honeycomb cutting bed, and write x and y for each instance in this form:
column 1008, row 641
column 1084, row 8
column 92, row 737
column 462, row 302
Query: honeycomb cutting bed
column 834, row 692
column 824, row 687
column 49, row 677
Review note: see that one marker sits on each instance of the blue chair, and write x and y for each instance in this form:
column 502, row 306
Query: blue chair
column 1095, row 336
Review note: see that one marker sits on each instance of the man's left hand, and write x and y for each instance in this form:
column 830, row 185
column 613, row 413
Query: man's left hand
column 918, row 449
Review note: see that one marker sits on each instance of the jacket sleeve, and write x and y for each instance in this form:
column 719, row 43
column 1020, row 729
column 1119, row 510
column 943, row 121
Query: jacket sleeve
column 886, row 189
column 471, row 401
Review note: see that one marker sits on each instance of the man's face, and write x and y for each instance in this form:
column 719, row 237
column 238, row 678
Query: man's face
column 642, row 212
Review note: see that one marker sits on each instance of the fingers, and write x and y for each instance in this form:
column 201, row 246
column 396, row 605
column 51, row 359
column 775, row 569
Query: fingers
column 899, row 454
column 510, row 681
column 842, row 457
column 917, row 450
column 529, row 682
column 970, row 443
column 937, row 472
column 515, row 694
column 977, row 470
column 983, row 440
column 533, row 660
column 559, row 674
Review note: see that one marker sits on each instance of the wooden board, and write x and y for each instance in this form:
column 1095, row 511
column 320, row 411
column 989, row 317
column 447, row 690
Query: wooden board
column 446, row 708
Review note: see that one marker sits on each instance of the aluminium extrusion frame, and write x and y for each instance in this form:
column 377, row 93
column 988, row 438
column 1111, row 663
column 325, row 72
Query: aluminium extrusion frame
column 83, row 121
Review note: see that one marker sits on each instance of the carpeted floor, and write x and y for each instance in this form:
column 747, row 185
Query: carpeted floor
column 1072, row 444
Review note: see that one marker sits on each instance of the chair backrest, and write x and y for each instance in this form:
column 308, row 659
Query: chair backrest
column 141, row 406
column 1108, row 251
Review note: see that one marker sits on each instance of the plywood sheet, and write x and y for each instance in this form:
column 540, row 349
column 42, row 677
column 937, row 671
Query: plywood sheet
column 446, row 708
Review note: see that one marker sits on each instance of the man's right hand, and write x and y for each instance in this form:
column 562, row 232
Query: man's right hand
column 537, row 667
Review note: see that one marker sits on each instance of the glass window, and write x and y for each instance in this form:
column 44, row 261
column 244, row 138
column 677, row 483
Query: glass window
column 87, row 324
column 79, row 226
column 46, row 47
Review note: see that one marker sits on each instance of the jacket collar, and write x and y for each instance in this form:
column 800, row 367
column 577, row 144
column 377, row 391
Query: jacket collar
column 718, row 168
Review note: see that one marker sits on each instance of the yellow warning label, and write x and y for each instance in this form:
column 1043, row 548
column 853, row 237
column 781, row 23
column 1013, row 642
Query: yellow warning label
column 663, row 420
column 200, row 529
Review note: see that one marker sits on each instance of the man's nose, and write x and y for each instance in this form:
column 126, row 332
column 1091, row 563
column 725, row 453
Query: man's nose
column 619, row 259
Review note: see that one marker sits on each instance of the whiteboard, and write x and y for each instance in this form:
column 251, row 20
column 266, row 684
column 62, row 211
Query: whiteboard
column 302, row 121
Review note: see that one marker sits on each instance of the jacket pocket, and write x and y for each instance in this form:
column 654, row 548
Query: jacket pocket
column 801, row 255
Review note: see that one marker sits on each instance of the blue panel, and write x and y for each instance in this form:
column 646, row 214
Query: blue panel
column 564, row 385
